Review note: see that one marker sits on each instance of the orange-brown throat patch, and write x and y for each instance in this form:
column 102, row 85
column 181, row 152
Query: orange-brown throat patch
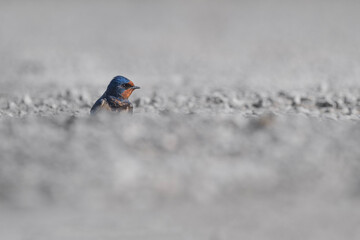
column 131, row 83
column 126, row 94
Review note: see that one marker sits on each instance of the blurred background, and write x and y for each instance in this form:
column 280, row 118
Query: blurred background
column 246, row 124
column 281, row 44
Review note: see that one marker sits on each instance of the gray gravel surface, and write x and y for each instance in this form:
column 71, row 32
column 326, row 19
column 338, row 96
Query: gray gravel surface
column 207, row 165
column 246, row 125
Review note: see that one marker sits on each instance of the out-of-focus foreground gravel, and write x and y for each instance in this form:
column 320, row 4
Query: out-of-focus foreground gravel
column 215, row 164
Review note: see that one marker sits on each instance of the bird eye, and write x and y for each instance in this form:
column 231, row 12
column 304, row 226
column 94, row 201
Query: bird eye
column 126, row 85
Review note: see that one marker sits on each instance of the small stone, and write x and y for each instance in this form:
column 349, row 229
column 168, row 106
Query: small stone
column 297, row 100
column 258, row 103
column 236, row 103
column 12, row 106
column 339, row 103
column 306, row 101
column 323, row 103
column 349, row 100
column 216, row 98
column 27, row 100
column 346, row 111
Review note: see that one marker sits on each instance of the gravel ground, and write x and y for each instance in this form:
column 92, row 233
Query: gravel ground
column 246, row 124
column 207, row 165
column 339, row 104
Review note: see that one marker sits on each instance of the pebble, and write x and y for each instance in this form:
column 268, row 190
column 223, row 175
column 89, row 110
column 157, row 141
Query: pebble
column 297, row 100
column 350, row 100
column 323, row 103
column 27, row 100
column 236, row 103
column 346, row 111
column 258, row 103
column 12, row 106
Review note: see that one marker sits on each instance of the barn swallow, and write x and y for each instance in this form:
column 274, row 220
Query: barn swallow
column 116, row 96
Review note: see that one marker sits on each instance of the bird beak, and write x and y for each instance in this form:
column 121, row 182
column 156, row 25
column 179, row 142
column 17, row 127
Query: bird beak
column 135, row 87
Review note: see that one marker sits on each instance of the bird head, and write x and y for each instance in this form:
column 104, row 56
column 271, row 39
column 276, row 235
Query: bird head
column 121, row 87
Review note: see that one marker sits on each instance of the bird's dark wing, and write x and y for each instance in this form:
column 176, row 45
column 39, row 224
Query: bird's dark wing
column 100, row 104
column 119, row 105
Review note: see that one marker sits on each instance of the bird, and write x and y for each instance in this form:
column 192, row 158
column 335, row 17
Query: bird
column 115, row 98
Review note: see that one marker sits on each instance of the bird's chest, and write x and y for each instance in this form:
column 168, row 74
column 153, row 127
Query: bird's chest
column 127, row 108
column 117, row 105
